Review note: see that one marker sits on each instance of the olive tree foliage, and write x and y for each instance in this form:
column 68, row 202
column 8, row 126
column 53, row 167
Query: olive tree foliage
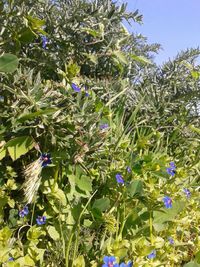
column 91, row 34
column 85, row 42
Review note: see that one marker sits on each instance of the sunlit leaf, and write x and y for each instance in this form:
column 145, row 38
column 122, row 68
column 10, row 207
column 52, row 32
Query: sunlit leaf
column 8, row 63
column 19, row 146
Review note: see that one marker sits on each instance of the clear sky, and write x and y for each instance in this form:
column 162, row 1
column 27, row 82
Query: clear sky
column 175, row 24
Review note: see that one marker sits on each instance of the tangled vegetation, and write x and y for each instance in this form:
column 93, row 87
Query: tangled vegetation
column 99, row 147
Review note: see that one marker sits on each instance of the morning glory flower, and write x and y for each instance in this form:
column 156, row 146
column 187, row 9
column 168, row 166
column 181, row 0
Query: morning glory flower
column 119, row 178
column 46, row 159
column 110, row 262
column 152, row 255
column 187, row 192
column 171, row 240
column 44, row 41
column 41, row 220
column 167, row 202
column 104, row 126
column 75, row 87
column 23, row 212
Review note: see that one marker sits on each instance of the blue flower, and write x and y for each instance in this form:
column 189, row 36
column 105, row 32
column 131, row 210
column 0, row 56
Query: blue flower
column 11, row 259
column 46, row 159
column 23, row 212
column 104, row 126
column 129, row 264
column 75, row 87
column 167, row 202
column 172, row 169
column 41, row 220
column 172, row 165
column 187, row 192
column 110, row 262
column 44, row 41
column 171, row 240
column 119, row 178
column 152, row 255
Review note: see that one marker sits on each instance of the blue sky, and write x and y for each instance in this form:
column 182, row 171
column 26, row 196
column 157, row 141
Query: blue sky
column 175, row 24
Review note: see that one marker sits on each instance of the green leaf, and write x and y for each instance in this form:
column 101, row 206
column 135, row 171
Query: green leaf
column 195, row 74
column 121, row 57
column 91, row 32
column 8, row 63
column 19, row 146
column 5, row 234
column 26, row 35
column 84, row 183
column 35, row 23
column 79, row 262
column 102, row 204
column 140, row 59
column 28, row 116
column 194, row 129
column 197, row 257
column 2, row 153
column 54, row 234
column 135, row 188
column 34, row 233
column 72, row 70
column 168, row 214
column 191, row 264
column 60, row 195
column 92, row 57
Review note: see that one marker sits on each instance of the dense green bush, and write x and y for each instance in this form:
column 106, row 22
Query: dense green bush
column 121, row 173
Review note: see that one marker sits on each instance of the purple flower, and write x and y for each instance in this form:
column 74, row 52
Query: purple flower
column 23, row 212
column 104, row 126
column 41, row 220
column 171, row 240
column 75, row 87
column 167, row 202
column 152, row 255
column 11, row 259
column 128, row 169
column 187, row 192
column 44, row 41
column 119, row 178
column 110, row 262
column 46, row 159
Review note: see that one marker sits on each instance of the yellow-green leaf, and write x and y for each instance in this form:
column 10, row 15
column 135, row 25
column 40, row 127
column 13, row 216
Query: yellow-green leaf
column 140, row 59
column 19, row 146
column 54, row 234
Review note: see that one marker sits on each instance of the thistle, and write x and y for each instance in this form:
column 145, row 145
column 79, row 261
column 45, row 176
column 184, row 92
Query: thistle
column 32, row 174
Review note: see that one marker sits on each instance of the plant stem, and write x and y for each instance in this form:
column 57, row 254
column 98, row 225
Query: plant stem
column 33, row 212
column 67, row 249
column 77, row 229
column 151, row 227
